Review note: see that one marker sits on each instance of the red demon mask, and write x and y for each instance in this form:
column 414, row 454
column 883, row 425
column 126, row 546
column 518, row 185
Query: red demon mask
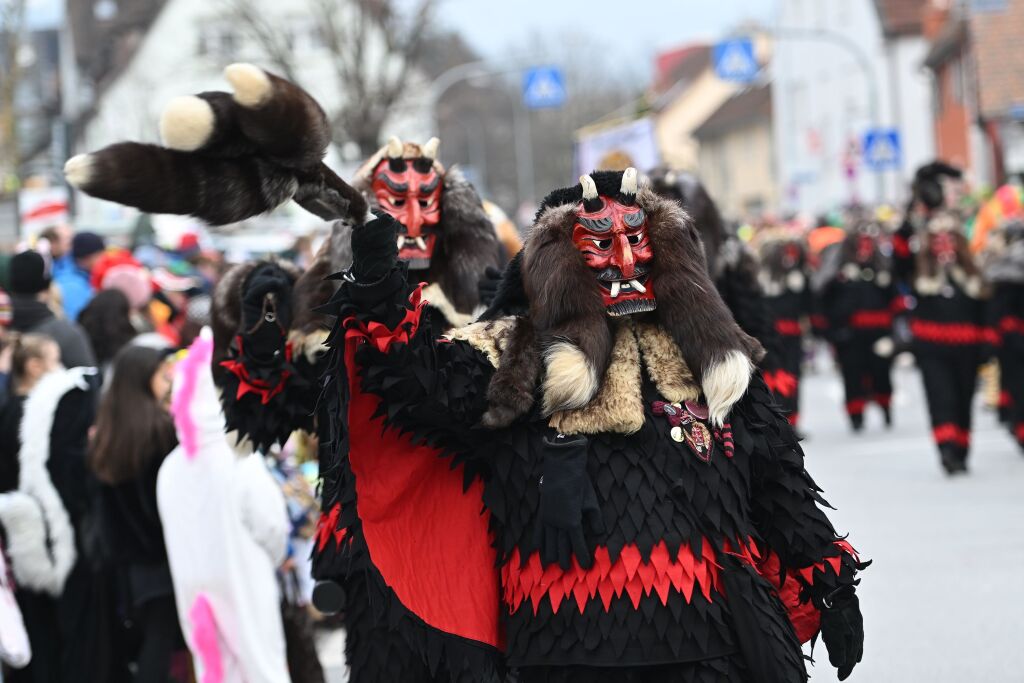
column 611, row 233
column 410, row 190
column 791, row 255
column 865, row 248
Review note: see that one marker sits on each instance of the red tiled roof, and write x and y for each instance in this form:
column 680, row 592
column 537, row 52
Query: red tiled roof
column 901, row 17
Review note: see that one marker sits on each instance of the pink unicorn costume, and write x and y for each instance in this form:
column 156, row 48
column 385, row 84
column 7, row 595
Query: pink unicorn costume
column 226, row 531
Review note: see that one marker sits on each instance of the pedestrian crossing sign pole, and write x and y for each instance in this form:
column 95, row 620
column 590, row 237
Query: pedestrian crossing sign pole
column 881, row 150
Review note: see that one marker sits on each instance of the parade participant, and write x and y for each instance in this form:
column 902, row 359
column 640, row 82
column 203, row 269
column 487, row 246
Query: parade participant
column 947, row 322
column 858, row 298
column 787, row 297
column 447, row 238
column 447, row 241
column 649, row 512
column 1005, row 271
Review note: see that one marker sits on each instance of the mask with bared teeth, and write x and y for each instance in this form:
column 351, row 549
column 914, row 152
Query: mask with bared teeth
column 611, row 234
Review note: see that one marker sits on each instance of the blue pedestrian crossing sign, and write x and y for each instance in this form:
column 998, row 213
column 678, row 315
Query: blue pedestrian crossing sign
column 881, row 149
column 543, row 87
column 734, row 60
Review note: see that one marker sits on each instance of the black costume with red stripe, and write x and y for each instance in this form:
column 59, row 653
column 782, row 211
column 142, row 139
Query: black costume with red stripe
column 860, row 301
column 1005, row 272
column 948, row 325
column 707, row 562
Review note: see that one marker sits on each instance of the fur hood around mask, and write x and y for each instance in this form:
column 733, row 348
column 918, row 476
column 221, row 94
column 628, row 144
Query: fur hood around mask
column 567, row 340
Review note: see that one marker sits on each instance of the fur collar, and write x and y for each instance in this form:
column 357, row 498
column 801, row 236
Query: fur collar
column 618, row 404
column 40, row 538
column 434, row 295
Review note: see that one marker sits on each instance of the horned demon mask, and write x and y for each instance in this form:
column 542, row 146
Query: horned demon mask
column 611, row 234
column 409, row 188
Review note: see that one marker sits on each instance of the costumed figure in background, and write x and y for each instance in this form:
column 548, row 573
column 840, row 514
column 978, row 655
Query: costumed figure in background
column 787, row 296
column 949, row 336
column 1004, row 270
column 734, row 271
column 645, row 500
column 857, row 295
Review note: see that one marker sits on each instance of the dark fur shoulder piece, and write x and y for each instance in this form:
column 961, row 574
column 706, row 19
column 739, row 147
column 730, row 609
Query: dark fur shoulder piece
column 467, row 243
column 689, row 306
column 313, row 289
column 512, row 389
column 565, row 302
column 510, row 298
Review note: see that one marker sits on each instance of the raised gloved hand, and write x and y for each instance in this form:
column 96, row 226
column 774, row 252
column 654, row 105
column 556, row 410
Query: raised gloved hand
column 567, row 497
column 842, row 630
column 374, row 248
column 488, row 285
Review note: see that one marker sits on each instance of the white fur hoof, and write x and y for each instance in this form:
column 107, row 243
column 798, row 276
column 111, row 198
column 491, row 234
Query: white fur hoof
column 187, row 123
column 725, row 383
column 78, row 170
column 251, row 84
column 570, row 381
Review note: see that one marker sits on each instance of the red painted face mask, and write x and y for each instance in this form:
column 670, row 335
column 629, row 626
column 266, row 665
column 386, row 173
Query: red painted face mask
column 943, row 247
column 790, row 256
column 410, row 190
column 614, row 242
column 865, row 249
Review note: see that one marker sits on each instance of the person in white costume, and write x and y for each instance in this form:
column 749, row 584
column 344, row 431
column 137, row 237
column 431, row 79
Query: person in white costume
column 226, row 531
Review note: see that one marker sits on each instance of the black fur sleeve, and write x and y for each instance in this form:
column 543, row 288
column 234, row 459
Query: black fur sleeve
column 429, row 386
column 787, row 504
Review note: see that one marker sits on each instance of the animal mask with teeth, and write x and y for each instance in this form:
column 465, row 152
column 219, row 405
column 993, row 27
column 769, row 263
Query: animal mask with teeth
column 611, row 233
column 408, row 184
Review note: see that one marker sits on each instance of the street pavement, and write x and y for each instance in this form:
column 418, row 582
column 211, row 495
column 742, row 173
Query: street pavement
column 944, row 599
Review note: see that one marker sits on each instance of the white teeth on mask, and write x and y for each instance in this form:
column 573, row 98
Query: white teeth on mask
column 615, row 289
column 638, row 287
column 401, row 242
column 421, row 244
column 428, row 202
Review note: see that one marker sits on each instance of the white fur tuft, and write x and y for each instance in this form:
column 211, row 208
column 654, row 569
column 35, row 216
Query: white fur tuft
column 251, row 84
column 628, row 186
column 589, row 187
column 429, row 149
column 394, row 148
column 187, row 123
column 883, row 347
column 795, row 280
column 851, row 271
column 570, row 381
column 884, row 279
column 929, row 286
column 725, row 383
column 78, row 170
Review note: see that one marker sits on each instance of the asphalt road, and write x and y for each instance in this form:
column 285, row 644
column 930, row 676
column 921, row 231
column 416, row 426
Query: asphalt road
column 944, row 600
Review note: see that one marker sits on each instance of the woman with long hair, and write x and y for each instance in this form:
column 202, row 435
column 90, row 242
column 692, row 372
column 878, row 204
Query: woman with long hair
column 134, row 433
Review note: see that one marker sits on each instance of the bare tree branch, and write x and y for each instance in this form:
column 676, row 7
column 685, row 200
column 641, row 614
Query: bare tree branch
column 12, row 23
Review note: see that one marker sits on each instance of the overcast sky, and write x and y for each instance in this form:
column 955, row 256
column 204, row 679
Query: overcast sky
column 628, row 29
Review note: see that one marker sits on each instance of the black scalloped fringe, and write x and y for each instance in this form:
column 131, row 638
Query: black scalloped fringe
column 717, row 670
column 271, row 423
column 408, row 648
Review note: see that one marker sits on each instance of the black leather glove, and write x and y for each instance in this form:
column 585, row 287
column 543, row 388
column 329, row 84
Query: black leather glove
column 566, row 497
column 374, row 248
column 488, row 286
column 842, row 630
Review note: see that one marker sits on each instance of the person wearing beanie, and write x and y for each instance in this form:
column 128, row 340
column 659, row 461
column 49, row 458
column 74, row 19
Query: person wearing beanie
column 30, row 299
column 72, row 273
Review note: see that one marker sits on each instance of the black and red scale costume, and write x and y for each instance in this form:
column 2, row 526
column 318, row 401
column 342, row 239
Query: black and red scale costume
column 859, row 299
column 660, row 527
column 949, row 333
column 1005, row 273
column 785, row 282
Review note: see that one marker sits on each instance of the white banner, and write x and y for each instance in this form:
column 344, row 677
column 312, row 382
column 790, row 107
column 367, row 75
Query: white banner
column 618, row 147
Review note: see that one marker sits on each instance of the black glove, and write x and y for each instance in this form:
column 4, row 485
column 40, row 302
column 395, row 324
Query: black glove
column 842, row 630
column 329, row 597
column 487, row 286
column 374, row 248
column 566, row 497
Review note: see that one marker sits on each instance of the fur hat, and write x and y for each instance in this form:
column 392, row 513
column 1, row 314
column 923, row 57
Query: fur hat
column 570, row 325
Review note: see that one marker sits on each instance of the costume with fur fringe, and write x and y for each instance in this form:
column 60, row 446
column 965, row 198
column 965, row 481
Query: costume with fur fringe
column 948, row 323
column 1005, row 271
column 785, row 281
column 859, row 301
column 674, row 534
column 386, row 639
